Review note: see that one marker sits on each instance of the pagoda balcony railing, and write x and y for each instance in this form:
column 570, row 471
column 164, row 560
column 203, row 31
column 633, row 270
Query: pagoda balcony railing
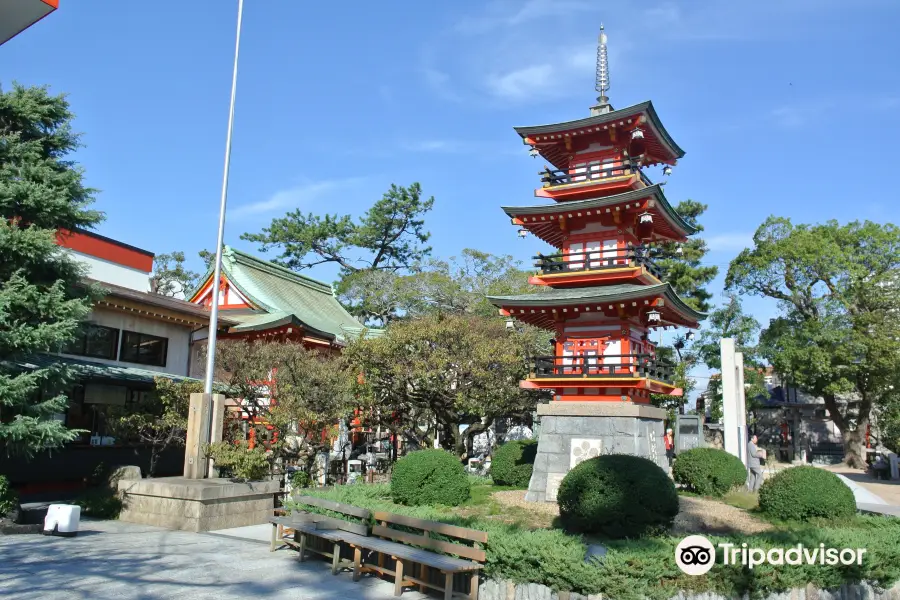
column 603, row 366
column 590, row 174
column 596, row 260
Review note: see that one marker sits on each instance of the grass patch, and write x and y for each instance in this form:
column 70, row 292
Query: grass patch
column 742, row 499
column 645, row 568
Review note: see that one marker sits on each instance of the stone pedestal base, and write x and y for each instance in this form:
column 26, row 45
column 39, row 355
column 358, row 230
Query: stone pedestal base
column 575, row 431
column 197, row 504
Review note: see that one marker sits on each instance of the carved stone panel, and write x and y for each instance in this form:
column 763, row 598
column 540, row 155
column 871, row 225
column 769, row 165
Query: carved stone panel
column 582, row 449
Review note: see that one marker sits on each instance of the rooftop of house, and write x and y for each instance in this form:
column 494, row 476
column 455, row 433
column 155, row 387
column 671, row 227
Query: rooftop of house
column 155, row 305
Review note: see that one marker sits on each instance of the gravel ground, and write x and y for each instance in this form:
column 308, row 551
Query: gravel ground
column 701, row 515
column 697, row 515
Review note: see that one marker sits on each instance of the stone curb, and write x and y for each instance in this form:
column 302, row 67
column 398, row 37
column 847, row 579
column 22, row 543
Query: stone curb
column 507, row 590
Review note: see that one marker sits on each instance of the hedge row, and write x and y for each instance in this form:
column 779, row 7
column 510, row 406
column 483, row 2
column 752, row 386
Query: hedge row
column 645, row 568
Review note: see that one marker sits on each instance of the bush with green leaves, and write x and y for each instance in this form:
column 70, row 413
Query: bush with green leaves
column 513, row 462
column 239, row 460
column 617, row 496
column 641, row 569
column 429, row 477
column 9, row 501
column 100, row 503
column 709, row 471
column 300, row 479
column 804, row 493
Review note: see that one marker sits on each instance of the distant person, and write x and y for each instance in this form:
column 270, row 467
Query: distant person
column 670, row 446
column 753, row 465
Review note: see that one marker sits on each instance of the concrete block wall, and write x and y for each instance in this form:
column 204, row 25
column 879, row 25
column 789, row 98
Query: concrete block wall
column 198, row 504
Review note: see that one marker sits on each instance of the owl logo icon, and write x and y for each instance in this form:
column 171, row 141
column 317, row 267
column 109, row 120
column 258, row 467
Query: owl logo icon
column 695, row 555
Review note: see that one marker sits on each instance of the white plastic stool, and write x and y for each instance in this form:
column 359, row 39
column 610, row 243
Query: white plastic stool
column 62, row 519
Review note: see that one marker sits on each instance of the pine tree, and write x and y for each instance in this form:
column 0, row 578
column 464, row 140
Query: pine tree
column 41, row 303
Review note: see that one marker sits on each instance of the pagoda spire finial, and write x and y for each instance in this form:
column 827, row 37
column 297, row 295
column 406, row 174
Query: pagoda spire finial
column 602, row 82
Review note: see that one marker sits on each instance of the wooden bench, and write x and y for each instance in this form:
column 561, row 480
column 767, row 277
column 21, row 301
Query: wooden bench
column 294, row 529
column 408, row 549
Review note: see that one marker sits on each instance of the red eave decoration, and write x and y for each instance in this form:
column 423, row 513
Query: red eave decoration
column 18, row 15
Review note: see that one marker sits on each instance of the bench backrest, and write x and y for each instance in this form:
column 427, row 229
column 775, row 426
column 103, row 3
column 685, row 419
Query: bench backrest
column 424, row 540
column 344, row 509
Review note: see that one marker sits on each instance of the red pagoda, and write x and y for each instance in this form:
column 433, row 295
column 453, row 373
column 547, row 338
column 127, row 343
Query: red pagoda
column 605, row 294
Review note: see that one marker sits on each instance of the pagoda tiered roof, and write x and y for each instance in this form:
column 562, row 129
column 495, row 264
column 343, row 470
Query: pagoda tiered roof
column 541, row 309
column 550, row 140
column 544, row 220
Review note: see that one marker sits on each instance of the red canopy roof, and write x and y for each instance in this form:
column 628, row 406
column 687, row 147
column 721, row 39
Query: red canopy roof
column 18, row 15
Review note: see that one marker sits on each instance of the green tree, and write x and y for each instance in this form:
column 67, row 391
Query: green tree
column 682, row 264
column 730, row 321
column 299, row 393
column 837, row 333
column 41, row 303
column 683, row 359
column 455, row 286
column 158, row 420
column 171, row 277
column 390, row 237
column 429, row 375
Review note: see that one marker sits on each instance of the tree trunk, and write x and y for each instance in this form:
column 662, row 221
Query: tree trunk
column 855, row 447
column 854, row 440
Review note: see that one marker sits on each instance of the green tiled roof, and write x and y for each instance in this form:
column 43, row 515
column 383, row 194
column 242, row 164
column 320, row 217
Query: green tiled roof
column 87, row 370
column 286, row 297
column 606, row 293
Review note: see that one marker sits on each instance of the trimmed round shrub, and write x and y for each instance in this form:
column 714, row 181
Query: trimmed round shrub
column 803, row 493
column 429, row 477
column 618, row 496
column 709, row 471
column 513, row 462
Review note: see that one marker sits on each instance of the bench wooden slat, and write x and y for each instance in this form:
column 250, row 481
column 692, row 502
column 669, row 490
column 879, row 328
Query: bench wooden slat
column 323, row 522
column 442, row 528
column 347, row 509
column 429, row 543
column 425, row 557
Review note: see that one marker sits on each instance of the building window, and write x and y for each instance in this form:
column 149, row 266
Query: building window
column 95, row 341
column 143, row 349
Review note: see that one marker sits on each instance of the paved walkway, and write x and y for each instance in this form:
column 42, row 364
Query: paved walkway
column 111, row 559
column 889, row 491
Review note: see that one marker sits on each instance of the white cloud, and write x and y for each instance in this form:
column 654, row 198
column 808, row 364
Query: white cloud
column 509, row 13
column 293, row 197
column 729, row 242
column 543, row 80
column 438, row 146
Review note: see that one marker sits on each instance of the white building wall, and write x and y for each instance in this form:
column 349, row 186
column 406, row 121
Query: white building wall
column 179, row 336
column 110, row 272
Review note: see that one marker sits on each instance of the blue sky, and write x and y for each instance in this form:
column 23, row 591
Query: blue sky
column 786, row 107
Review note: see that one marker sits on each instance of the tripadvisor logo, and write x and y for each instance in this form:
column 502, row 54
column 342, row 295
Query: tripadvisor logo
column 696, row 555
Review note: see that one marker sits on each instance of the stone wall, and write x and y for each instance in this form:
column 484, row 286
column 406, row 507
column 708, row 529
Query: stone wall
column 197, row 504
column 507, row 590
